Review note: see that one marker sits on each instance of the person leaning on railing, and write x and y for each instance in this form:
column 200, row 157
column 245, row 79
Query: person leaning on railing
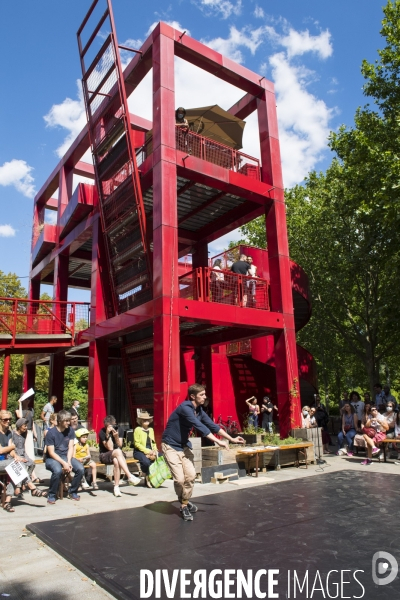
column 180, row 120
column 217, row 281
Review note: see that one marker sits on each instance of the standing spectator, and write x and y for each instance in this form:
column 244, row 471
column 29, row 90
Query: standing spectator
column 367, row 398
column 177, row 448
column 24, row 411
column 180, row 119
column 145, row 446
column 20, row 454
column 111, row 454
column 387, row 397
column 60, row 452
column 48, row 410
column 254, row 411
column 358, row 405
column 242, row 267
column 251, row 284
column 349, row 428
column 343, row 401
column 75, row 408
column 374, row 432
column 6, row 447
column 267, row 411
column 217, row 281
column 82, row 454
column 379, row 397
column 321, row 414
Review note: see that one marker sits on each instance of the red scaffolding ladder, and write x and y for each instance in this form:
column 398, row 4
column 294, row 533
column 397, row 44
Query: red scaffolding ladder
column 112, row 141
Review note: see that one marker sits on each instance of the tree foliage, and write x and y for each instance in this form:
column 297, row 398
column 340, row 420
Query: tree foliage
column 344, row 230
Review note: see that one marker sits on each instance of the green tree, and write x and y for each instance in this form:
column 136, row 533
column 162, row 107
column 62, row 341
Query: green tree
column 343, row 229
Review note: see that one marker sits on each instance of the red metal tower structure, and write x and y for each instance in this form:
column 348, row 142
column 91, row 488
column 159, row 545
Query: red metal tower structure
column 159, row 195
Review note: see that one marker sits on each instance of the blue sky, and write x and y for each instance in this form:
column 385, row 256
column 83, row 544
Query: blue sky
column 312, row 50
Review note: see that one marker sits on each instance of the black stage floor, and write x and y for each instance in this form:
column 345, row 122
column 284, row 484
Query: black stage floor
column 332, row 523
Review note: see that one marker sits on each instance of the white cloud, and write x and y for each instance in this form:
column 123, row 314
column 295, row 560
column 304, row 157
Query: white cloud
column 70, row 115
column 7, row 231
column 258, row 12
column 300, row 42
column 246, row 38
column 303, row 119
column 223, row 7
column 18, row 173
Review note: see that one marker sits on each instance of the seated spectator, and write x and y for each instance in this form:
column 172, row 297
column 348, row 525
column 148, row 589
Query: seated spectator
column 305, row 417
column 374, row 432
column 349, row 429
column 145, row 446
column 20, row 454
column 358, row 405
column 25, row 411
column 6, row 447
column 396, row 434
column 254, row 411
column 390, row 417
column 82, row 454
column 60, row 457
column 111, row 454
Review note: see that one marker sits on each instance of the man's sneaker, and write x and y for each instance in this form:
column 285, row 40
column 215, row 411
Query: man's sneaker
column 375, row 451
column 134, row 480
column 367, row 461
column 192, row 507
column 51, row 500
column 186, row 514
column 84, row 484
column 117, row 492
column 74, row 497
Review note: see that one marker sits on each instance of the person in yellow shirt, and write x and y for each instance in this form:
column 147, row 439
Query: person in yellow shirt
column 145, row 446
column 82, row 454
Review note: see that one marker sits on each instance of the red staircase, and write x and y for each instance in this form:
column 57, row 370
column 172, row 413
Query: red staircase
column 113, row 148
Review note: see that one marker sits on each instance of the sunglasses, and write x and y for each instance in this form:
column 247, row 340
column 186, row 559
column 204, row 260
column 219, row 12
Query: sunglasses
column 7, row 419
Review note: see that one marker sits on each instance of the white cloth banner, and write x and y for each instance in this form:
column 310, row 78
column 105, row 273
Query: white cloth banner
column 17, row 472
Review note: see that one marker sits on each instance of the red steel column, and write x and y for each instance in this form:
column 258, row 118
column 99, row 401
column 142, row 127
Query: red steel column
column 98, row 350
column 165, row 234
column 60, row 290
column 29, row 369
column 6, row 376
column 287, row 378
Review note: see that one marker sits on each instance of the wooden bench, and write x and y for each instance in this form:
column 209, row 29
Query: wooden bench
column 63, row 479
column 388, row 441
column 299, row 448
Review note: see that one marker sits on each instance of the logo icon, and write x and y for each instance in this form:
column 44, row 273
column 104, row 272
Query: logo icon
column 384, row 563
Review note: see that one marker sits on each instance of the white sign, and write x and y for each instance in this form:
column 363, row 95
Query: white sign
column 17, row 472
column 27, row 394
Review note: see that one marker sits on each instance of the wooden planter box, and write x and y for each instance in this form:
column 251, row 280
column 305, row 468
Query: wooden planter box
column 215, row 456
column 314, row 435
column 196, row 447
column 252, row 438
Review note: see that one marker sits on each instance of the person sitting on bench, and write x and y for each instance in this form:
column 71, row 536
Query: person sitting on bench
column 6, row 447
column 60, row 452
column 20, row 454
column 374, row 432
column 82, row 454
column 145, row 446
column 111, row 454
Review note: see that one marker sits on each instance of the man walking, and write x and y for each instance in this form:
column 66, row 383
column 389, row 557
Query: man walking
column 177, row 448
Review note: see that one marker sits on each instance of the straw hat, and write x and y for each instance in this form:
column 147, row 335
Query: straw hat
column 144, row 416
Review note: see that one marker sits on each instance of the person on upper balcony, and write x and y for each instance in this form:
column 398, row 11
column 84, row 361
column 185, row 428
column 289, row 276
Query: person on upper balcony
column 180, row 119
column 242, row 267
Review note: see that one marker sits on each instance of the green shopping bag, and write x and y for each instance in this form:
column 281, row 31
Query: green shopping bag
column 159, row 472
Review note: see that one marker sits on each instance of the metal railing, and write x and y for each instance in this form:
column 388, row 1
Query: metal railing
column 20, row 317
column 224, row 287
column 202, row 147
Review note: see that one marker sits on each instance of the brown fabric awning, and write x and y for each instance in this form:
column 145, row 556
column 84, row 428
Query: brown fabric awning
column 217, row 124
